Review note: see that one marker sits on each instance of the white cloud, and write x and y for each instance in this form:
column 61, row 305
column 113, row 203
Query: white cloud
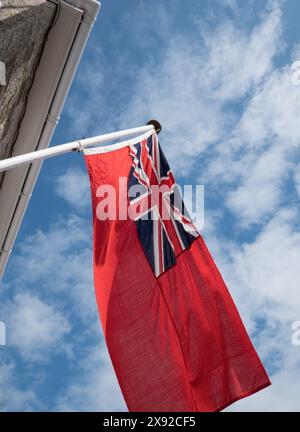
column 12, row 398
column 197, row 77
column 271, row 113
column 94, row 387
column 73, row 187
column 59, row 261
column 236, row 60
column 35, row 328
column 267, row 268
column 83, row 108
column 260, row 153
column 260, row 192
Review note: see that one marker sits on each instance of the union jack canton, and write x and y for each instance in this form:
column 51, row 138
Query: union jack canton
column 155, row 204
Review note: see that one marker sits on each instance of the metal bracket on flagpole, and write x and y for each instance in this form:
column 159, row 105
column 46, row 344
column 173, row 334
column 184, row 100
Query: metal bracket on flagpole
column 79, row 148
column 77, row 145
column 156, row 124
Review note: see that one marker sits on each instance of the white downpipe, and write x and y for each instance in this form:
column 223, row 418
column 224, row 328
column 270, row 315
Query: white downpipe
column 47, row 153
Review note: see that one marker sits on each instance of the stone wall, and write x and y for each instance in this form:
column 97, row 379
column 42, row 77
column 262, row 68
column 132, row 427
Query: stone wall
column 24, row 25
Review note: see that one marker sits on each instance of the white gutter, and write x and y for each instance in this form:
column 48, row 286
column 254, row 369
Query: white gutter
column 91, row 9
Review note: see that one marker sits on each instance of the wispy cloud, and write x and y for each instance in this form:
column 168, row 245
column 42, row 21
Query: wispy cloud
column 73, row 187
column 36, row 329
column 262, row 275
column 94, row 387
column 58, row 262
column 260, row 192
column 12, row 398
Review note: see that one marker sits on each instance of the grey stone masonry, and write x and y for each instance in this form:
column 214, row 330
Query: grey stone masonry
column 24, row 25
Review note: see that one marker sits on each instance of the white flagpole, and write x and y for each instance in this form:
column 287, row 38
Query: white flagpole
column 77, row 145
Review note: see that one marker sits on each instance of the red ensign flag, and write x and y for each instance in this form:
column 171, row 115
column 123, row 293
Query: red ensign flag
column 174, row 335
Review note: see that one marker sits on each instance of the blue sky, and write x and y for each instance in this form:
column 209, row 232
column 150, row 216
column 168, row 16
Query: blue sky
column 217, row 75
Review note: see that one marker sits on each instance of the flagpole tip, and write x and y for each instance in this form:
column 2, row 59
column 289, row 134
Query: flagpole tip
column 156, row 124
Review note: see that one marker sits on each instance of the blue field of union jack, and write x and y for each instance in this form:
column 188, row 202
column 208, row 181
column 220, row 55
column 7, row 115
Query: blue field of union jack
column 163, row 224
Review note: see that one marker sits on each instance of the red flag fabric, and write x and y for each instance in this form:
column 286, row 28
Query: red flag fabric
column 174, row 335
